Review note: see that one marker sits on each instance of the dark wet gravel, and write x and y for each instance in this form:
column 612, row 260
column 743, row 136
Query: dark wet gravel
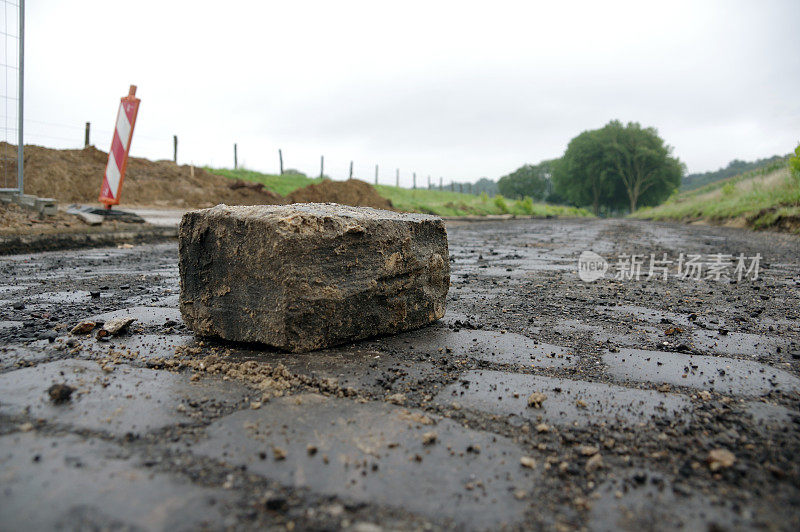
column 666, row 403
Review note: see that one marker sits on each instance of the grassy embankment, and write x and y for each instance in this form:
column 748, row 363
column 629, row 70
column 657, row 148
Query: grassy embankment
column 765, row 198
column 439, row 202
column 279, row 184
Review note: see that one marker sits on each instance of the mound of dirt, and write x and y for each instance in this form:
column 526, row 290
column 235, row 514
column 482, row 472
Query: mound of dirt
column 351, row 192
column 15, row 220
column 74, row 176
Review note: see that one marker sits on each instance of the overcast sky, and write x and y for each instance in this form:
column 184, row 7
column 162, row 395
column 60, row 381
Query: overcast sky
column 454, row 89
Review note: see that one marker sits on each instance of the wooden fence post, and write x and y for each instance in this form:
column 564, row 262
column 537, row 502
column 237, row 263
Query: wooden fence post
column 397, row 178
column 86, row 137
column 351, row 170
column 235, row 157
column 280, row 157
column 321, row 166
column 175, row 149
column 376, row 174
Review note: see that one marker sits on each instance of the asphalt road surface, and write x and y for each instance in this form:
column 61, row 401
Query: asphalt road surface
column 663, row 394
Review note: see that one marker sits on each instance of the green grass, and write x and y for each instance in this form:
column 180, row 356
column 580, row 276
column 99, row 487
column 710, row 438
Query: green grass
column 439, row 202
column 761, row 198
column 280, row 184
column 446, row 203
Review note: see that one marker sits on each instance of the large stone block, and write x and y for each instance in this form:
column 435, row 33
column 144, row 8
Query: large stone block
column 310, row 275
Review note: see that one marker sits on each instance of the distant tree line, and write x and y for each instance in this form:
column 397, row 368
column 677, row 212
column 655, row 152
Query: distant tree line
column 532, row 181
column 485, row 185
column 735, row 167
column 614, row 169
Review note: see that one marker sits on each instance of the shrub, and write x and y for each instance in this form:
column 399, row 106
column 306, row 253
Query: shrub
column 526, row 205
column 728, row 189
column 500, row 203
column 794, row 164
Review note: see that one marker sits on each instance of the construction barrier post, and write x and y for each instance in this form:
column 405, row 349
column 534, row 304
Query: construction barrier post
column 120, row 146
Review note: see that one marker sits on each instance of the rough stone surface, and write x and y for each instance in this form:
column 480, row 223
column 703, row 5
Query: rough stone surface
column 306, row 276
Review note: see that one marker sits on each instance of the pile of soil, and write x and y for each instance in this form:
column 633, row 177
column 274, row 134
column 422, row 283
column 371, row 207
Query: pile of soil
column 74, row 176
column 16, row 220
column 351, row 192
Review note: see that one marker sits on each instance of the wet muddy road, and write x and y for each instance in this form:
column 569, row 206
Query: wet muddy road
column 642, row 400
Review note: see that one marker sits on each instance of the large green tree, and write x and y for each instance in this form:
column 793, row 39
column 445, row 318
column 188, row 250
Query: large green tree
column 641, row 161
column 529, row 180
column 580, row 175
column 617, row 166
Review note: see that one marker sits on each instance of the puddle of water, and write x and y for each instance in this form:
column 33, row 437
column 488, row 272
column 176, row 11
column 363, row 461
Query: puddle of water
column 568, row 401
column 719, row 374
column 490, row 346
column 375, row 453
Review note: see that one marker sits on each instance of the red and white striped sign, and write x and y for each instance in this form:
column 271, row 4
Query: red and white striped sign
column 120, row 146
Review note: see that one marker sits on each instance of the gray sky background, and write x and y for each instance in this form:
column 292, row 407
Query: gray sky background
column 454, row 89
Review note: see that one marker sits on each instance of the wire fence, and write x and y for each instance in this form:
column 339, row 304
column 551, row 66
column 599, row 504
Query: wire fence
column 74, row 136
column 11, row 101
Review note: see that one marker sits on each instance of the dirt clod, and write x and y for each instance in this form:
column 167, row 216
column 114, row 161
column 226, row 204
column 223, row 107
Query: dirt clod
column 351, row 192
column 84, row 327
column 429, row 438
column 397, row 399
column 278, row 453
column 720, row 459
column 536, row 399
column 60, row 393
column 594, row 463
column 117, row 326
